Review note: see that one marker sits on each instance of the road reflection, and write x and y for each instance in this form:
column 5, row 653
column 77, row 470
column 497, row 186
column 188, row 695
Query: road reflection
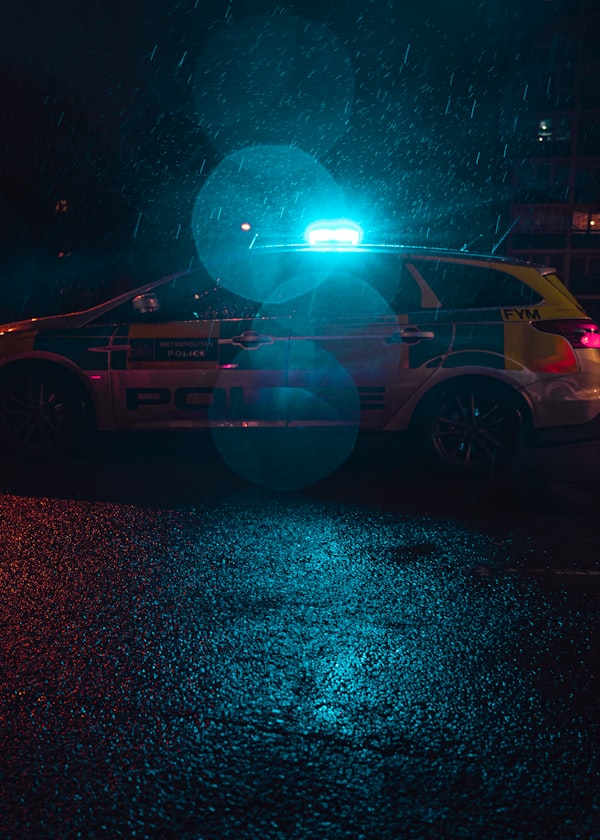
column 257, row 664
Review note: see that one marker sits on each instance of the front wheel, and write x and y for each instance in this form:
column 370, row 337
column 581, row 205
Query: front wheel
column 43, row 412
column 472, row 429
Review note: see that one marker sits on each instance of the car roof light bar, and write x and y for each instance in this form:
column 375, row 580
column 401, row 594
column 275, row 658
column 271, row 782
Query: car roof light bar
column 339, row 233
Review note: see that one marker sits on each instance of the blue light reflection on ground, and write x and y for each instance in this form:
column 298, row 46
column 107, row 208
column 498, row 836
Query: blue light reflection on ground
column 275, row 668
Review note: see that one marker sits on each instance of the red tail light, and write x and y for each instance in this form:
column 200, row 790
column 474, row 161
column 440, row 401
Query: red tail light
column 579, row 332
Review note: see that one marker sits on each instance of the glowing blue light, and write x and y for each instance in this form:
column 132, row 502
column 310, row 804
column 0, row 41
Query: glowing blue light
column 338, row 233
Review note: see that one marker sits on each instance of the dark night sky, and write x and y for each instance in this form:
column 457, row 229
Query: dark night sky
column 99, row 47
column 418, row 144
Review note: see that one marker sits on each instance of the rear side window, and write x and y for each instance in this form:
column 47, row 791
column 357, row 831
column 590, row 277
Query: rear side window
column 462, row 286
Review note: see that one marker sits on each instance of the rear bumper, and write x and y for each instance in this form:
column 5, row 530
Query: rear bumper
column 565, row 434
column 564, row 400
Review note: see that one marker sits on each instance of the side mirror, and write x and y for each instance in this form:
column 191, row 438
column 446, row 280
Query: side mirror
column 146, row 304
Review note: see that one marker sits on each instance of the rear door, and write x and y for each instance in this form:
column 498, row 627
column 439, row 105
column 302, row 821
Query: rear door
column 475, row 295
column 370, row 340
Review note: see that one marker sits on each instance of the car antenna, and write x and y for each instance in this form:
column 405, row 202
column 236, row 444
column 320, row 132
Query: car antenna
column 467, row 245
column 502, row 238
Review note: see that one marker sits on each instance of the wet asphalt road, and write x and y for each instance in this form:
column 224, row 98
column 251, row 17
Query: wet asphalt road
column 384, row 654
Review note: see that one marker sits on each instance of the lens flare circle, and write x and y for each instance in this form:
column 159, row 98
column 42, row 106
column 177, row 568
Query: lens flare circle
column 276, row 189
column 280, row 79
column 295, row 428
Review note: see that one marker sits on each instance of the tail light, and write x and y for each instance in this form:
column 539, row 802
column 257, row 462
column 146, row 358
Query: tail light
column 580, row 332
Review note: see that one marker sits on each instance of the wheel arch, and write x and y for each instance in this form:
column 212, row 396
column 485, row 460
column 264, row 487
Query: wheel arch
column 481, row 379
column 53, row 365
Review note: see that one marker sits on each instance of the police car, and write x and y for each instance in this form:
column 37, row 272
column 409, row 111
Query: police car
column 467, row 352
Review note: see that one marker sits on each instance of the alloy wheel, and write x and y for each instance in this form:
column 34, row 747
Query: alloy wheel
column 475, row 430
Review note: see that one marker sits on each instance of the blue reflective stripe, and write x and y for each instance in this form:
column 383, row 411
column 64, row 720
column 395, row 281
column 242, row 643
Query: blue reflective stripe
column 78, row 345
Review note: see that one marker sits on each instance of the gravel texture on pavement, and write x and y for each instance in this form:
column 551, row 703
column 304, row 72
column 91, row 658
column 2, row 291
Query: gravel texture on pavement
column 277, row 667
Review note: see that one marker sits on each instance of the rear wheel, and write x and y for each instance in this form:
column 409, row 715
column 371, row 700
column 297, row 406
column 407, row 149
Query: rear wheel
column 472, row 428
column 43, row 411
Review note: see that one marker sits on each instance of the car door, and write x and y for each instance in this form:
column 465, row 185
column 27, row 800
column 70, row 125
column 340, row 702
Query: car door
column 370, row 340
column 219, row 364
column 475, row 294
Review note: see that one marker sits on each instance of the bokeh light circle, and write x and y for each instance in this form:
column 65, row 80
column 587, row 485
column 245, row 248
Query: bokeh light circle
column 298, row 410
column 274, row 80
column 272, row 191
column 298, row 428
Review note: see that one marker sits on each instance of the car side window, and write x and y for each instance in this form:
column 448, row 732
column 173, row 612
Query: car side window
column 411, row 292
column 219, row 304
column 191, row 298
column 391, row 278
column 183, row 299
column 461, row 286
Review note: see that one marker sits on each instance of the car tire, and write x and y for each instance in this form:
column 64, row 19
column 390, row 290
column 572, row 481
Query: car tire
column 471, row 428
column 44, row 412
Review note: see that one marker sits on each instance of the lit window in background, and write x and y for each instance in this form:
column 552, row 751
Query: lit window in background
column 586, row 221
column 544, row 130
column 553, row 128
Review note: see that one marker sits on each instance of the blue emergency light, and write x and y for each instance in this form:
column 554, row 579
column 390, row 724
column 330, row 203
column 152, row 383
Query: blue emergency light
column 339, row 233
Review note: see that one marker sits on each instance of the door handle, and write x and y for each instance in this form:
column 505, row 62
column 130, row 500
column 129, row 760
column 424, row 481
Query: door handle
column 409, row 335
column 251, row 340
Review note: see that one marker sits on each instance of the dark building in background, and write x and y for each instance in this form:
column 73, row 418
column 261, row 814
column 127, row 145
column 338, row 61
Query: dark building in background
column 555, row 196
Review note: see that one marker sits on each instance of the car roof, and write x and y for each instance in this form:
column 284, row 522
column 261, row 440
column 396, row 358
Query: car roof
column 404, row 250
column 81, row 318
